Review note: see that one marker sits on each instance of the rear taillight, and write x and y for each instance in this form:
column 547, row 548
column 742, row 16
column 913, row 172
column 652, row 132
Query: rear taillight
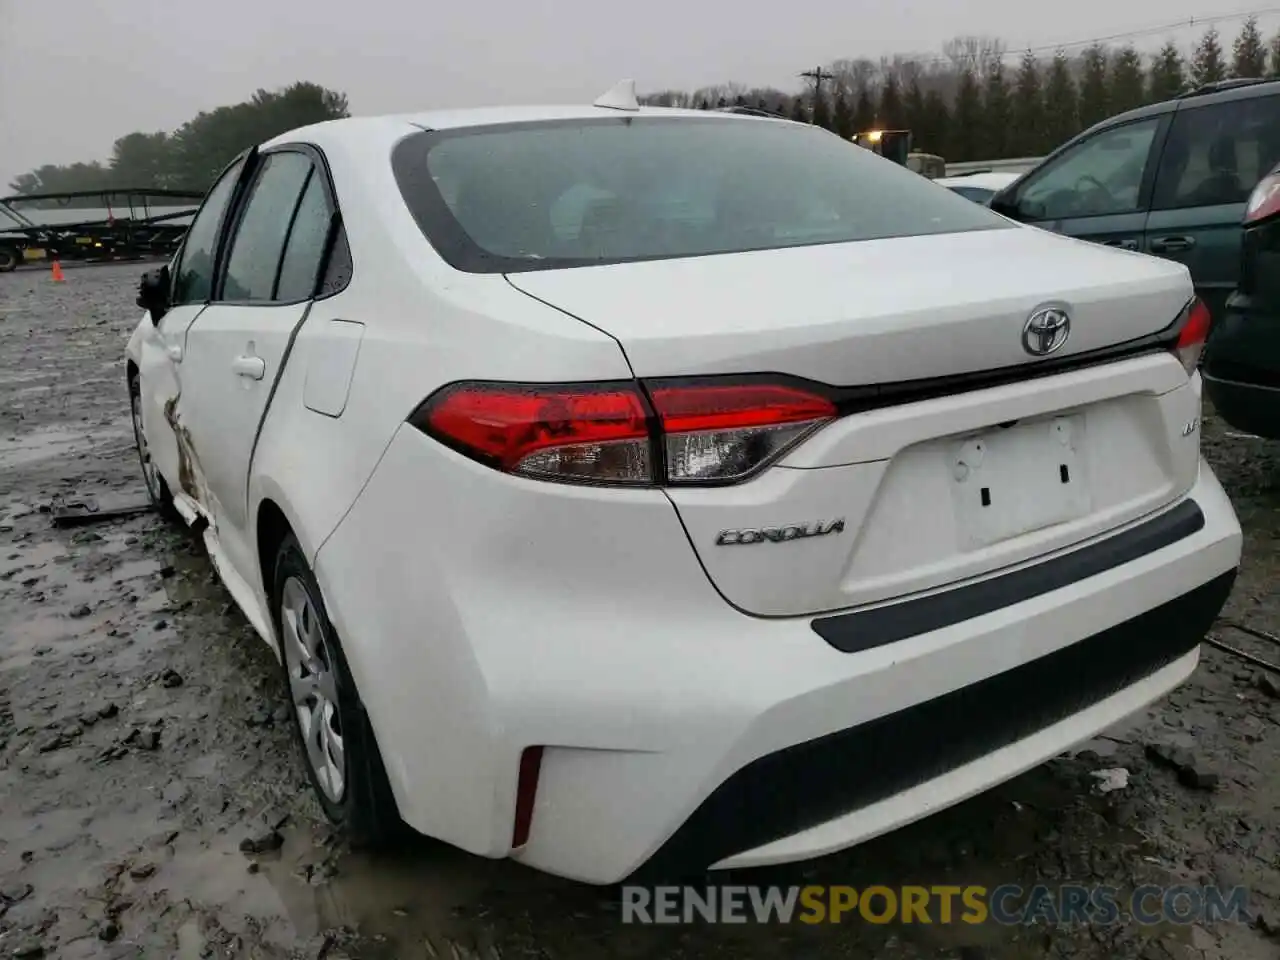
column 594, row 433
column 1264, row 202
column 726, row 433
column 1192, row 335
column 662, row 432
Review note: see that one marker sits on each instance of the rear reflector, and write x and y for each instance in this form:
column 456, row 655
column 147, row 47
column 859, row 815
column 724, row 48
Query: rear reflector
column 526, row 795
column 1194, row 332
column 664, row 432
column 1264, row 202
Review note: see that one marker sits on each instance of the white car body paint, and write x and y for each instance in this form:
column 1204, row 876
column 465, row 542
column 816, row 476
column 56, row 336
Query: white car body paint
column 483, row 612
column 331, row 362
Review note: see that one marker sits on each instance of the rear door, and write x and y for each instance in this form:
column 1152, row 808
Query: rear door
column 1097, row 188
column 238, row 347
column 1214, row 157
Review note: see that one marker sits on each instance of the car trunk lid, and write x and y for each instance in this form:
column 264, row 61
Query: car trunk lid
column 896, row 498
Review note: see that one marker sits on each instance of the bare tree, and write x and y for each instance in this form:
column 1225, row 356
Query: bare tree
column 851, row 76
column 975, row 53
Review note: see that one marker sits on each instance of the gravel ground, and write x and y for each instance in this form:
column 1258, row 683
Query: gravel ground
column 142, row 741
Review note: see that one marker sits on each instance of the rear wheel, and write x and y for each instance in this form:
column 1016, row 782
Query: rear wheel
column 157, row 490
column 332, row 728
column 8, row 259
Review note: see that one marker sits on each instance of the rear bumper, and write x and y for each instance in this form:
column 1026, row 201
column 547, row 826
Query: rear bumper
column 883, row 773
column 678, row 732
column 1241, row 369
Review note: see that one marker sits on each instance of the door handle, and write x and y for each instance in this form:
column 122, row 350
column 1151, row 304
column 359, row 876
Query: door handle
column 1122, row 244
column 1172, row 244
column 254, row 368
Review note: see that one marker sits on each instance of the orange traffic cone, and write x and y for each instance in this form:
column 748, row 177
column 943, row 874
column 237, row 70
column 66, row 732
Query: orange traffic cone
column 57, row 272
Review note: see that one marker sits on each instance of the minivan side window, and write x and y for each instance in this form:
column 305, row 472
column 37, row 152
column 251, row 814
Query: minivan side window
column 256, row 248
column 1097, row 177
column 1217, row 154
column 193, row 277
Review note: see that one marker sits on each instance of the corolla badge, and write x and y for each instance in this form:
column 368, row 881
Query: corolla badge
column 1046, row 331
column 794, row 531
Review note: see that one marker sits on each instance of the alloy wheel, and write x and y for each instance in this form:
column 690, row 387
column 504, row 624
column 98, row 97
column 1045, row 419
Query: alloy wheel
column 313, row 688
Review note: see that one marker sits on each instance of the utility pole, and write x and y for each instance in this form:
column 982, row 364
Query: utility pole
column 817, row 75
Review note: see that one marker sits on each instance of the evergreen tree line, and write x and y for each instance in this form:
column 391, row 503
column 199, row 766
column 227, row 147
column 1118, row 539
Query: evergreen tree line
column 971, row 104
column 190, row 157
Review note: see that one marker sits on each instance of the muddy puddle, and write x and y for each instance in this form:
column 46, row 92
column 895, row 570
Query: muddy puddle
column 143, row 739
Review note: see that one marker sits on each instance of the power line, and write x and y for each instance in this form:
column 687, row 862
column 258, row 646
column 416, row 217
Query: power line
column 1191, row 22
column 1134, row 34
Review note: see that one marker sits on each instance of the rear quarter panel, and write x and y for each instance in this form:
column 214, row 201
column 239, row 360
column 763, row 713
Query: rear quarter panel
column 424, row 325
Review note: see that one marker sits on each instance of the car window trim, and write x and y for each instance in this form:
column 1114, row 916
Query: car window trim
column 1145, row 186
column 245, row 159
column 1215, row 105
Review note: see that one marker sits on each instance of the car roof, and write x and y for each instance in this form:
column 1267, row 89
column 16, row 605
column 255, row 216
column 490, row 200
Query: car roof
column 1208, row 95
column 397, row 125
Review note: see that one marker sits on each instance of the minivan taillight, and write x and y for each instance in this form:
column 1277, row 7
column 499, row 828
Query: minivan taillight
column 1264, row 202
column 710, row 431
column 1194, row 332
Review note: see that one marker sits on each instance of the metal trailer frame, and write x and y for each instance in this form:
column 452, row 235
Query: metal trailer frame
column 135, row 234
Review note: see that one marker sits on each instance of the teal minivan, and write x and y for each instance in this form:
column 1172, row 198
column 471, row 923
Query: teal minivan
column 1170, row 179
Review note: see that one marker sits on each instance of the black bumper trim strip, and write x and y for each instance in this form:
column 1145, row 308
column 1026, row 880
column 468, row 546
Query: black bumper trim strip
column 865, row 629
column 801, row 786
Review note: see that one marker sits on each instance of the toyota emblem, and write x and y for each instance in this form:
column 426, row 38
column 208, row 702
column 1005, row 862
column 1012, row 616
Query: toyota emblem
column 1046, row 331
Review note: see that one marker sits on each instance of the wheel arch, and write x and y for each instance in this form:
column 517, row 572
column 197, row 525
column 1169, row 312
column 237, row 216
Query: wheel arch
column 274, row 519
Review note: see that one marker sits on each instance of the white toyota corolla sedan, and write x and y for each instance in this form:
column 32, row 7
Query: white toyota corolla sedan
column 630, row 490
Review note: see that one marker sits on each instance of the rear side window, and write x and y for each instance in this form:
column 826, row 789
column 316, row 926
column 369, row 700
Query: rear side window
column 1217, row 154
column 193, row 278
column 258, row 242
column 573, row 193
column 305, row 247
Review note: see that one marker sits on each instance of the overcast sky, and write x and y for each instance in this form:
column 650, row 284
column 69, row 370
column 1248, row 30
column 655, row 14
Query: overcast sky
column 76, row 75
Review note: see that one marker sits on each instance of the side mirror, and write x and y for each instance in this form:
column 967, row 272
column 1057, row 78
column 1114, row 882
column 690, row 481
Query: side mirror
column 153, row 293
column 1005, row 202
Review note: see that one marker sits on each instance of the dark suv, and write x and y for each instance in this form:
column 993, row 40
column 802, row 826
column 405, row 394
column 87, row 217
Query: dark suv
column 1241, row 366
column 1170, row 179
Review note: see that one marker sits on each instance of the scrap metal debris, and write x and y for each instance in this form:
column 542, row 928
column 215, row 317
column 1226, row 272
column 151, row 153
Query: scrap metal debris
column 84, row 510
column 1216, row 641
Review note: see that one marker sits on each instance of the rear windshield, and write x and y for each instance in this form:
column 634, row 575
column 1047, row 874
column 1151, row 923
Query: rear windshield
column 552, row 194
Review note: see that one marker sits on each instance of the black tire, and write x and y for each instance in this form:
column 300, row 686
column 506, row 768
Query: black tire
column 366, row 810
column 9, row 259
column 157, row 490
